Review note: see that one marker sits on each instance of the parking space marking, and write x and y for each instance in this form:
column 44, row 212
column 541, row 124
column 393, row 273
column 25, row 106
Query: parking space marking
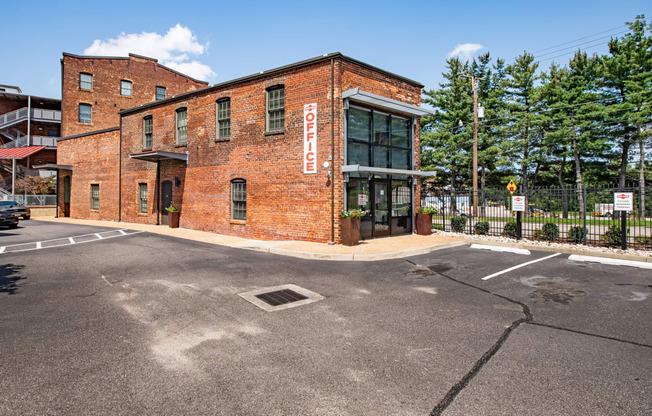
column 503, row 249
column 519, row 266
column 613, row 262
column 40, row 245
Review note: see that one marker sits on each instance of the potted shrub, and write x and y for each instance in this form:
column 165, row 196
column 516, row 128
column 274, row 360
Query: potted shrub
column 350, row 226
column 424, row 220
column 173, row 217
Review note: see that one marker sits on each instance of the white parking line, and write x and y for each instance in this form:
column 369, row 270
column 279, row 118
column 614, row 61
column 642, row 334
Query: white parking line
column 503, row 249
column 39, row 244
column 614, row 262
column 519, row 266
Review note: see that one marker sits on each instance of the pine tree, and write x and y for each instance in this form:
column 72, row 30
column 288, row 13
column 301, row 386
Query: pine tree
column 446, row 137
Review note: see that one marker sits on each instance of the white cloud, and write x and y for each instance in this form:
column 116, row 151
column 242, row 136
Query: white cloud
column 465, row 51
column 172, row 49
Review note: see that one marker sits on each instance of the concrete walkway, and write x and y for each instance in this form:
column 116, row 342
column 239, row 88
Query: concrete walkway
column 369, row 250
column 374, row 249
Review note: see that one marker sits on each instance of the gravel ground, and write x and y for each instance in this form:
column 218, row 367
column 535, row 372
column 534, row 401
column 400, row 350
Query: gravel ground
column 560, row 246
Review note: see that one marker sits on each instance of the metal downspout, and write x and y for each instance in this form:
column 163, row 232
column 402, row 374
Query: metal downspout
column 158, row 192
column 332, row 151
column 120, row 173
column 29, row 119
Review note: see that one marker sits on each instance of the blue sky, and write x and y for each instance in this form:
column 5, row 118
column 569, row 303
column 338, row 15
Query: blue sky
column 222, row 40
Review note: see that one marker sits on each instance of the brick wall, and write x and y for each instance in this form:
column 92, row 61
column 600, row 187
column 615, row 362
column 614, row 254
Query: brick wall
column 104, row 97
column 282, row 201
column 95, row 161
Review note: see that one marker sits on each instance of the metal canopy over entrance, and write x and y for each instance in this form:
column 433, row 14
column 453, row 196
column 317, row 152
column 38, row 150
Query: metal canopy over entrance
column 159, row 155
column 360, row 96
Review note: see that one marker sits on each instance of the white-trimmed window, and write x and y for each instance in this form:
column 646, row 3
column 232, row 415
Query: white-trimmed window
column 85, row 81
column 182, row 126
column 276, row 108
column 238, row 199
column 95, row 197
column 147, row 132
column 224, row 118
column 85, row 113
column 142, row 198
column 126, row 87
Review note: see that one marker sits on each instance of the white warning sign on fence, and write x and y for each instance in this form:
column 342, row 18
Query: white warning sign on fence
column 518, row 203
column 623, row 201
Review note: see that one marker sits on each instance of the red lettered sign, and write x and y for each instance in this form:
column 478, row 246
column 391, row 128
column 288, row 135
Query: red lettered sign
column 310, row 138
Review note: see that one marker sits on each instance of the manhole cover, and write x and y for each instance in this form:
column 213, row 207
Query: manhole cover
column 281, row 297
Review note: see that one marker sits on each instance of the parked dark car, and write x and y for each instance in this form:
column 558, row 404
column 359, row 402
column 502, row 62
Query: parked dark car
column 23, row 212
column 8, row 218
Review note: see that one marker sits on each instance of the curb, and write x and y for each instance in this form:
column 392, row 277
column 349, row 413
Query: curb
column 562, row 250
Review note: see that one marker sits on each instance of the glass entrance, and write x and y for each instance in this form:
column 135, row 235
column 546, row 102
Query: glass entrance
column 381, row 208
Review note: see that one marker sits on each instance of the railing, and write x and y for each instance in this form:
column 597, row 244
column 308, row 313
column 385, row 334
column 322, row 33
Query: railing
column 50, row 141
column 37, row 114
column 568, row 215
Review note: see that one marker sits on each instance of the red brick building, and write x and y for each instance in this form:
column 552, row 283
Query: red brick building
column 95, row 88
column 274, row 155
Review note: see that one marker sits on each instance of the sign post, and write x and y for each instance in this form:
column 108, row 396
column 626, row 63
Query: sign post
column 518, row 205
column 623, row 202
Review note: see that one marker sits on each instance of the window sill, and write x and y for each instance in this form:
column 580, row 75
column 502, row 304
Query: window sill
column 223, row 139
column 181, row 145
column 95, row 210
column 140, row 214
column 274, row 132
column 238, row 222
column 147, row 149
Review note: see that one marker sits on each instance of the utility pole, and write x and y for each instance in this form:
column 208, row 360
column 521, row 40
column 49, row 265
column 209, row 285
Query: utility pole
column 474, row 85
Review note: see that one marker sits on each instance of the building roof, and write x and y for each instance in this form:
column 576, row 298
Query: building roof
column 311, row 61
column 129, row 57
column 16, row 89
column 19, row 152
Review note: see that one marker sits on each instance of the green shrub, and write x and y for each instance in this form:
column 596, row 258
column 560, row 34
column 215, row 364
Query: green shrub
column 481, row 228
column 458, row 224
column 427, row 210
column 646, row 241
column 510, row 229
column 576, row 234
column 439, row 227
column 549, row 232
column 612, row 236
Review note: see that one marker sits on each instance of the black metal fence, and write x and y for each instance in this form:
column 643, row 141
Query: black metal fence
column 580, row 215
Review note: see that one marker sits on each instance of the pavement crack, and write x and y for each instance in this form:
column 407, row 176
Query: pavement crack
column 464, row 381
column 638, row 344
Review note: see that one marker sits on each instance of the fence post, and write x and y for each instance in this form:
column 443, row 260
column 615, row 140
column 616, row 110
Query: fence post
column 623, row 230
column 585, row 231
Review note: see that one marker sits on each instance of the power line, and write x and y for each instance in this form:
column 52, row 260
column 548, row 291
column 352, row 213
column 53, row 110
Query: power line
column 585, row 37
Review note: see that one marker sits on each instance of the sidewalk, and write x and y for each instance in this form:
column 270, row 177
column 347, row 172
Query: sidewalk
column 368, row 250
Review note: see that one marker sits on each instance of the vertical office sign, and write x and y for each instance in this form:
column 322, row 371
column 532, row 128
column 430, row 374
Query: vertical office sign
column 310, row 138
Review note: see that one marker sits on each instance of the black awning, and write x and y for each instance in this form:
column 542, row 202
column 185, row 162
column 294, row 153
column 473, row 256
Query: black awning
column 52, row 166
column 158, row 155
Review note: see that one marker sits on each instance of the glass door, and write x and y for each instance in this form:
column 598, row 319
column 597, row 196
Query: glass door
column 381, row 208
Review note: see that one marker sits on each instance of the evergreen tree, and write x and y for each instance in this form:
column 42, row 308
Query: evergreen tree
column 447, row 136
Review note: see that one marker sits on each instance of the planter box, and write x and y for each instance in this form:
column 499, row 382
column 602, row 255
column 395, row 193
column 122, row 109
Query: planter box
column 173, row 219
column 424, row 224
column 350, row 228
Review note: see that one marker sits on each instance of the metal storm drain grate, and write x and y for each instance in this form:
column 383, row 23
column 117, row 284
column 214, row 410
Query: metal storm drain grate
column 281, row 297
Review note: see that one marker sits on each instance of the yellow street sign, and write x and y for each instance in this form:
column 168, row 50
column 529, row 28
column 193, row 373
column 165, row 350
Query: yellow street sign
column 511, row 186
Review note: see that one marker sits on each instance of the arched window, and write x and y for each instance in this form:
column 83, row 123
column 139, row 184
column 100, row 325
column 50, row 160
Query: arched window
column 276, row 108
column 223, row 118
column 238, row 199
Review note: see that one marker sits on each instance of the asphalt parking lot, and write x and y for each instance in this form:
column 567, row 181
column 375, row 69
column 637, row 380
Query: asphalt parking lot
column 147, row 324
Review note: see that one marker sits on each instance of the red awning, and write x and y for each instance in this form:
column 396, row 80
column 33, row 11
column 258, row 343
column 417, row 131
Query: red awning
column 19, row 152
